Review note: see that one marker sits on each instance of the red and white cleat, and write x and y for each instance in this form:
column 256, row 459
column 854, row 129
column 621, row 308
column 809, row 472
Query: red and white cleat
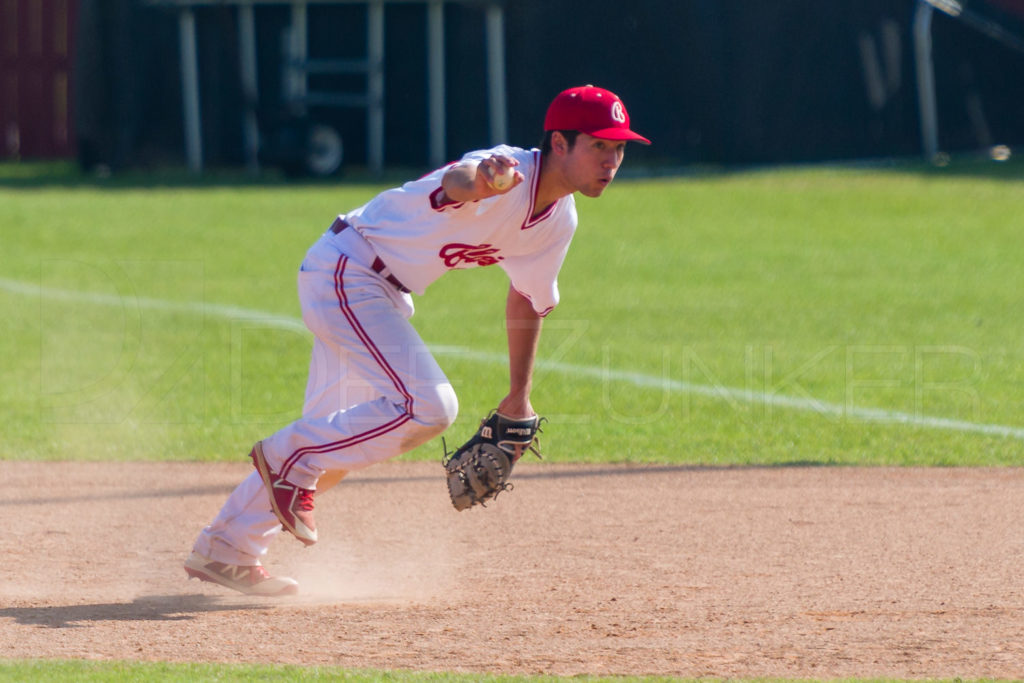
column 292, row 505
column 251, row 580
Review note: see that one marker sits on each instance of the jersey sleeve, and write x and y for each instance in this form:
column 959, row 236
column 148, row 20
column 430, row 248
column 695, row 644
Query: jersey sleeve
column 536, row 276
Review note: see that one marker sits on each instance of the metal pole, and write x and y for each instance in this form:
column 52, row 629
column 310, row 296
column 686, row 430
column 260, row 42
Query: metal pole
column 250, row 84
column 926, row 80
column 190, row 89
column 375, row 85
column 496, row 73
column 436, row 81
column 298, row 54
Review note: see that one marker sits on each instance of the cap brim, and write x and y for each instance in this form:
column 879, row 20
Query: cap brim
column 618, row 134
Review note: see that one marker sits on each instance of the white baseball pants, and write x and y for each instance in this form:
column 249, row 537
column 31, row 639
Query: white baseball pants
column 374, row 392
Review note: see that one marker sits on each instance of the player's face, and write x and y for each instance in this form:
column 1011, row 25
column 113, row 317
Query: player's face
column 593, row 163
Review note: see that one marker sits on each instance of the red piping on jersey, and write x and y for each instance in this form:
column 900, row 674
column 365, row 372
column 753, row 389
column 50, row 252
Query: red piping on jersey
column 436, row 194
column 527, row 297
column 347, row 442
column 437, row 205
column 530, row 221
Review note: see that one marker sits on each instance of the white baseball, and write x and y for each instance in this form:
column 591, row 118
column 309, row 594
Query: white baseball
column 504, row 180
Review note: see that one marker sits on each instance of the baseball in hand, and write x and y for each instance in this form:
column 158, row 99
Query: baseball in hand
column 502, row 181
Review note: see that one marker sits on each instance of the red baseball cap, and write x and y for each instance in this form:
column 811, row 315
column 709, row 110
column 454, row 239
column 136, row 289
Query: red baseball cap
column 591, row 110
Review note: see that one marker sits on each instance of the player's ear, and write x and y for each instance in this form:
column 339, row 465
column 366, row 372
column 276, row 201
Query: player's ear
column 559, row 145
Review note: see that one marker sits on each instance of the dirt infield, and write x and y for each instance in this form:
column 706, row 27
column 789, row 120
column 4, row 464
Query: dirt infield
column 788, row 572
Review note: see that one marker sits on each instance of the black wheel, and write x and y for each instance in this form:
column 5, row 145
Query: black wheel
column 324, row 150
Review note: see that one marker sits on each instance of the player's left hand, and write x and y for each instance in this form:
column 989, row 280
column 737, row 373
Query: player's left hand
column 479, row 469
column 516, row 407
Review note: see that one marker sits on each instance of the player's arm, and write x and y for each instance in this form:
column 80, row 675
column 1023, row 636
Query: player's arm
column 470, row 179
column 523, row 326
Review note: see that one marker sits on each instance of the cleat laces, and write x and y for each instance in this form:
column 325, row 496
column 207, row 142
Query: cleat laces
column 260, row 573
column 304, row 500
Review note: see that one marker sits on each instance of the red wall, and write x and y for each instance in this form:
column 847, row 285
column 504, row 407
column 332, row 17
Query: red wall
column 36, row 48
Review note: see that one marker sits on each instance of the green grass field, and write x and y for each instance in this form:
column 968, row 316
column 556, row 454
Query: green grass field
column 42, row 671
column 119, row 672
column 832, row 316
column 816, row 315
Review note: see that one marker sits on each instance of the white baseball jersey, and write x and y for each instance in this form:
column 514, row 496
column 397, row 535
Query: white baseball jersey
column 420, row 236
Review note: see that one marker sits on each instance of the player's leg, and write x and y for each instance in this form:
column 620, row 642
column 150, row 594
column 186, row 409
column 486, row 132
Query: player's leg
column 244, row 527
column 332, row 386
column 374, row 391
column 365, row 351
column 246, row 524
column 408, row 398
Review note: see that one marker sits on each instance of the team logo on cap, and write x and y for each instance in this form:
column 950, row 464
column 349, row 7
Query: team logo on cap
column 618, row 113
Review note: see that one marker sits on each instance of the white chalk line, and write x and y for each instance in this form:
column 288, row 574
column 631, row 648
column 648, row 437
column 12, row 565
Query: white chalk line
column 666, row 384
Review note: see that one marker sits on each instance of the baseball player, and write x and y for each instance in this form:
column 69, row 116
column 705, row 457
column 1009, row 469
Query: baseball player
column 374, row 389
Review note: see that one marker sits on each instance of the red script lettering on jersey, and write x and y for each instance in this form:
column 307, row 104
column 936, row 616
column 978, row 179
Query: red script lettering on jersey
column 457, row 253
